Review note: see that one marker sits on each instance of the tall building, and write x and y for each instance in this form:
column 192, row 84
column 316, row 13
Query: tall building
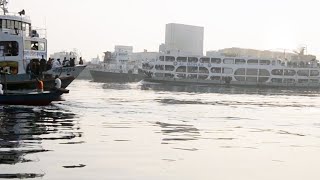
column 183, row 39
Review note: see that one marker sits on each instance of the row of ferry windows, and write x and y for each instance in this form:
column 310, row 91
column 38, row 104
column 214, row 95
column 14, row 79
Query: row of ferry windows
column 216, row 60
column 11, row 48
column 11, row 24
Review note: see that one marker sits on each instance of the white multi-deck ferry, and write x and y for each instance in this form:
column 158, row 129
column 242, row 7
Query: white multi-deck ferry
column 23, row 53
column 235, row 70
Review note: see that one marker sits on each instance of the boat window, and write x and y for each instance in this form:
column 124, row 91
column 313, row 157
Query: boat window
column 314, row 73
column 240, row 61
column 303, row 72
column 192, row 59
column 303, row 81
column 169, row 68
column 216, row 70
column 252, row 72
column 203, row 70
column 192, row 69
column 181, row 69
column 289, row 80
column 170, row 58
column 227, row 70
column 289, row 72
column 167, row 75
column 264, row 72
column 228, row 61
column 215, row 60
column 181, row 59
column 241, row 71
column 215, row 78
column 240, row 78
column 253, row 61
column 203, row 77
column 276, row 80
column 181, row 76
column 161, row 58
column 277, row 72
column 11, row 65
column 205, row 60
column 252, row 79
column 265, row 62
column 192, row 76
column 263, row 79
column 314, row 80
column 9, row 48
column 159, row 67
column 159, row 75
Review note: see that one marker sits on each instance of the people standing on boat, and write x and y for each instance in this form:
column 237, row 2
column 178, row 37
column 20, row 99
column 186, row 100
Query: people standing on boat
column 49, row 64
column 72, row 62
column 43, row 65
column 57, row 82
column 56, row 63
column 39, row 85
column 1, row 89
column 81, row 61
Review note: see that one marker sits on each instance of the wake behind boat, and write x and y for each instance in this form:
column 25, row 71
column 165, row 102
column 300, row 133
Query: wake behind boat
column 23, row 53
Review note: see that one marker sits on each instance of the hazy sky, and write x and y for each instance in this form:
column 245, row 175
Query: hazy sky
column 98, row 25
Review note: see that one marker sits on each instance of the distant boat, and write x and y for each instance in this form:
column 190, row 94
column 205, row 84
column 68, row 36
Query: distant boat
column 31, row 98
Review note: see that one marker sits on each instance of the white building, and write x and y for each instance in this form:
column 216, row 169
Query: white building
column 183, row 39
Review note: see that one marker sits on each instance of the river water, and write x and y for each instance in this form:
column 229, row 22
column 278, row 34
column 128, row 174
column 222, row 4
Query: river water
column 147, row 131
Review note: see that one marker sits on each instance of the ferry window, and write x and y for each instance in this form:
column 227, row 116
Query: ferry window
column 11, row 24
column 170, row 58
column 228, row 61
column 289, row 81
column 264, row 72
column 203, row 70
column 182, row 69
column 314, row 73
column 263, row 79
column 167, row 75
column 192, row 60
column 303, row 81
column 240, row 78
column 253, row 61
column 182, row 76
column 215, row 60
column 277, row 72
column 215, row 78
column 205, row 60
column 13, row 66
column 182, row 59
column 159, row 67
column 303, row 73
column 240, row 72
column 252, row 79
column 161, row 58
column 216, row 70
column 276, row 80
column 314, row 80
column 169, row 68
column 289, row 72
column 1, row 23
column 159, row 75
column 192, row 76
column 192, row 69
column 227, row 70
column 23, row 26
column 41, row 46
column 265, row 62
column 240, row 61
column 203, row 77
column 252, row 72
column 9, row 48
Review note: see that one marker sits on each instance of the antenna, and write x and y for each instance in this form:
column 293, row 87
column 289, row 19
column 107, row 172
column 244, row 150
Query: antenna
column 3, row 6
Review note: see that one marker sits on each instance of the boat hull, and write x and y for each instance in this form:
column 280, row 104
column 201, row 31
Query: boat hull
column 25, row 81
column 31, row 99
column 104, row 76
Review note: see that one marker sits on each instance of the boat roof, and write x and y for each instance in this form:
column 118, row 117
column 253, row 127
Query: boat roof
column 14, row 17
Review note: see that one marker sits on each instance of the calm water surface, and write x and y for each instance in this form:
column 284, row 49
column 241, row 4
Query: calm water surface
column 143, row 132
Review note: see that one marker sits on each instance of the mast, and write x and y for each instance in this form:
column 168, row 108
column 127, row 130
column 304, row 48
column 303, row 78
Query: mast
column 3, row 6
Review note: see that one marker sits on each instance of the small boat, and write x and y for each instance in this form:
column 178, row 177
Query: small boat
column 31, row 98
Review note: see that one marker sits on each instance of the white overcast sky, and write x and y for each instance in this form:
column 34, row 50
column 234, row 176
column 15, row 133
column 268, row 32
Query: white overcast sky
column 94, row 26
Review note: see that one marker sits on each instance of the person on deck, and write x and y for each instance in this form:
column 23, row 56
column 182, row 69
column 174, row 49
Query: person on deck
column 39, row 85
column 57, row 82
column 81, row 61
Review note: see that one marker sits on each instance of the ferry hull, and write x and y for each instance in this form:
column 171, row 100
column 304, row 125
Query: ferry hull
column 103, row 76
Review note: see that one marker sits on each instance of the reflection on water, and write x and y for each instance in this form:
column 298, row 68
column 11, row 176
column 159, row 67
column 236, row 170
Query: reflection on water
column 23, row 129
